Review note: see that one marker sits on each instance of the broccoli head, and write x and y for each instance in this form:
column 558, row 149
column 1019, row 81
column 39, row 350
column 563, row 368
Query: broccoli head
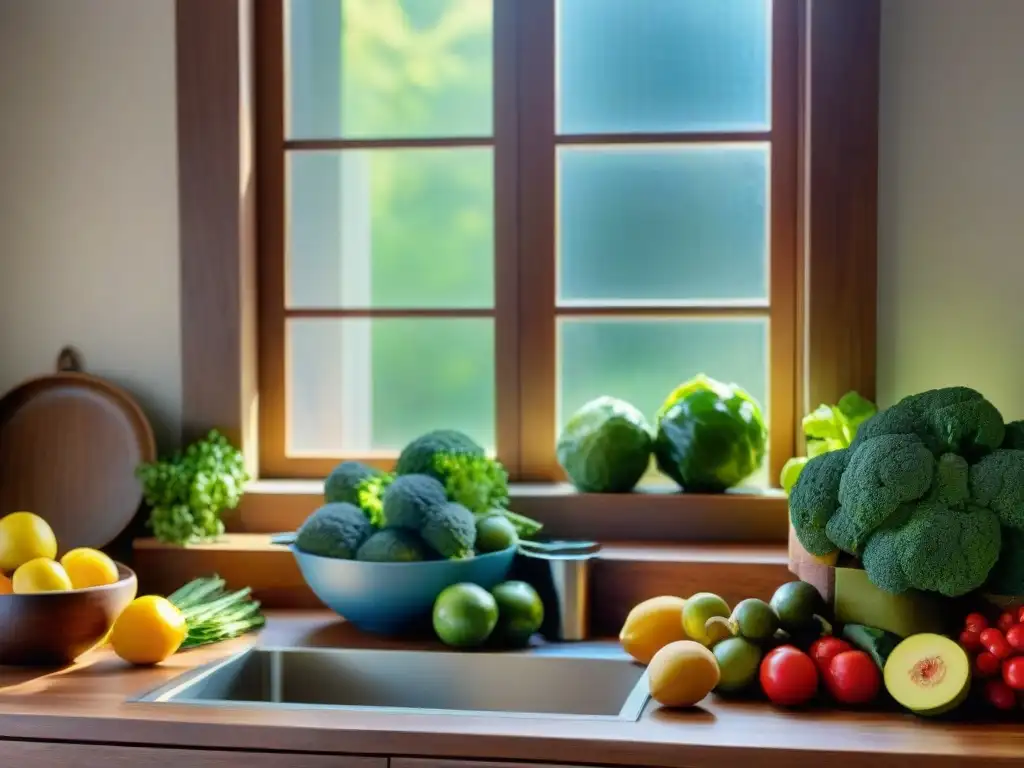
column 450, row 530
column 408, row 500
column 997, row 482
column 930, row 496
column 420, row 456
column 393, row 545
column 334, row 530
column 1014, row 437
column 360, row 484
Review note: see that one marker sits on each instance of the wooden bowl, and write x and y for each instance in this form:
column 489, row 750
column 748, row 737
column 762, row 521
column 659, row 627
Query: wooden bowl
column 52, row 629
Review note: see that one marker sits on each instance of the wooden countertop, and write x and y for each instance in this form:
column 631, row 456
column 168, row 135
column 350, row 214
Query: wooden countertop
column 89, row 703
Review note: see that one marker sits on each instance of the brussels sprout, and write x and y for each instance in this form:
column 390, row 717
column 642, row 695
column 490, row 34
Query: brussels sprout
column 605, row 447
column 710, row 436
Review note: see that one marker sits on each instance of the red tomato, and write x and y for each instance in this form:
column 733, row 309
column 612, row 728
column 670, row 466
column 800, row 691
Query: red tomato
column 824, row 649
column 1020, row 615
column 1013, row 673
column 1000, row 695
column 971, row 640
column 986, row 665
column 1006, row 620
column 995, row 642
column 788, row 676
column 1015, row 637
column 854, row 678
column 976, row 622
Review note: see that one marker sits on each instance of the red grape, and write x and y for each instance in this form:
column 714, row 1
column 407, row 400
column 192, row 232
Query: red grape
column 1015, row 637
column 995, row 642
column 1000, row 695
column 976, row 622
column 1013, row 673
column 1006, row 620
column 986, row 665
column 971, row 640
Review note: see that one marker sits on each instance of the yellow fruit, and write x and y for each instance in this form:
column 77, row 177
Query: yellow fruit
column 682, row 673
column 148, row 631
column 24, row 537
column 40, row 575
column 89, row 568
column 699, row 608
column 652, row 625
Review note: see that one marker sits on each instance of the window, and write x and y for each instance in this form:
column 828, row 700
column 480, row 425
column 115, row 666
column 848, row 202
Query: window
column 481, row 214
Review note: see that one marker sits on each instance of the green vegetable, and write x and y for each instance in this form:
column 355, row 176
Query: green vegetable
column 877, row 643
column 419, row 457
column 710, row 436
column 409, row 499
column 188, row 492
column 828, row 428
column 334, row 530
column 213, row 614
column 924, row 495
column 450, row 529
column 356, row 483
column 605, row 446
column 393, row 545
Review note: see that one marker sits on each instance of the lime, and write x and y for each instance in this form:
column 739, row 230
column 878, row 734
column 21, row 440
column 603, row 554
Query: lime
column 520, row 612
column 465, row 615
column 796, row 603
column 698, row 609
column 754, row 619
column 738, row 661
column 495, row 533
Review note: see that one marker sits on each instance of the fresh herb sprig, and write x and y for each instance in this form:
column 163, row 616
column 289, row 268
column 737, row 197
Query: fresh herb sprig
column 190, row 491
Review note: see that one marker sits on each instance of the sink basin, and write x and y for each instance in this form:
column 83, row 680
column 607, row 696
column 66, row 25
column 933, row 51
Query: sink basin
column 548, row 684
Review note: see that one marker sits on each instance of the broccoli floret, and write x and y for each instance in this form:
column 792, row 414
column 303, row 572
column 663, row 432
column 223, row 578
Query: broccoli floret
column 360, row 484
column 408, row 500
column 393, row 545
column 1007, row 578
column 1014, row 438
column 815, row 498
column 846, row 533
column 947, row 551
column 450, row 530
column 881, row 560
column 884, row 473
column 420, row 456
column 950, row 484
column 334, row 530
column 997, row 482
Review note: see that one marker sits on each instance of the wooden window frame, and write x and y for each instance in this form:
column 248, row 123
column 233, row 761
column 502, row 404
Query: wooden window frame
column 826, row 329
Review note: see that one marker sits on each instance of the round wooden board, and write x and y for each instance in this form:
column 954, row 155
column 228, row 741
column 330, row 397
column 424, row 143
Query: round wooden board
column 69, row 447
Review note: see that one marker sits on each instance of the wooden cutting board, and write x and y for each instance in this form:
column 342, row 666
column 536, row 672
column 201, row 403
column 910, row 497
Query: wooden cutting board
column 69, row 446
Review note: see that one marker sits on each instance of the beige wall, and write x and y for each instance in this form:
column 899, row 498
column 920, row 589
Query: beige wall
column 88, row 194
column 88, row 209
column 951, row 260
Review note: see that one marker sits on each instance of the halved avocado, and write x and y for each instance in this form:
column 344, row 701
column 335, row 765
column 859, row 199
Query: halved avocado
column 928, row 674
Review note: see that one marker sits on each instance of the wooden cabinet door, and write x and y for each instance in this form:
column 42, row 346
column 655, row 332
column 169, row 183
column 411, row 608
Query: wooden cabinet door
column 27, row 754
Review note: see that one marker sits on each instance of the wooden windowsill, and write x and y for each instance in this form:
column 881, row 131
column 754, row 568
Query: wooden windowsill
column 656, row 515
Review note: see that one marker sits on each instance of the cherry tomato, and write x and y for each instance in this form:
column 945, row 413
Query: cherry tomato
column 976, row 622
column 1020, row 615
column 788, row 676
column 1006, row 620
column 1013, row 673
column 1000, row 695
column 853, row 678
column 971, row 640
column 986, row 665
column 1015, row 637
column 995, row 642
column 824, row 649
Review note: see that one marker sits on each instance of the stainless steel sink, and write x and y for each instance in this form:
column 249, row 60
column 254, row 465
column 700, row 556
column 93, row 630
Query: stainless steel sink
column 547, row 684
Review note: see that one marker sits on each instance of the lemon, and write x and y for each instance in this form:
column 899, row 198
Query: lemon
column 89, row 568
column 24, row 537
column 40, row 575
column 651, row 625
column 682, row 673
column 148, row 631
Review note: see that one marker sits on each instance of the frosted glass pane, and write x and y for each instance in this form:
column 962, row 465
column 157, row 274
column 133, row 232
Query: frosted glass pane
column 663, row 65
column 391, row 228
column 641, row 361
column 663, row 223
column 389, row 68
column 363, row 385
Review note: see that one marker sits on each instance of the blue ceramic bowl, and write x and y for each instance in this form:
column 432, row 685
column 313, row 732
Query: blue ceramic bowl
column 386, row 598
